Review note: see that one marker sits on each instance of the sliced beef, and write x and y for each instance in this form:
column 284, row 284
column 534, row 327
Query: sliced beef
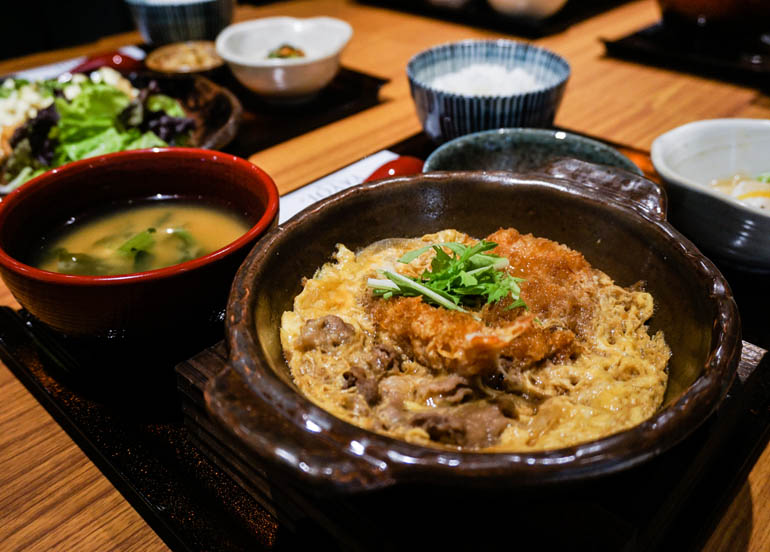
column 385, row 357
column 441, row 427
column 365, row 382
column 452, row 389
column 473, row 425
column 324, row 333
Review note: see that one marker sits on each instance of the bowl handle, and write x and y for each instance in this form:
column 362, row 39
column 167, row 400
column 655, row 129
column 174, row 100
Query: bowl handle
column 308, row 453
column 626, row 188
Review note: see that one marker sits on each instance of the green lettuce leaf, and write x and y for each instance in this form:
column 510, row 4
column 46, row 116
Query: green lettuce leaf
column 146, row 140
column 92, row 111
column 161, row 102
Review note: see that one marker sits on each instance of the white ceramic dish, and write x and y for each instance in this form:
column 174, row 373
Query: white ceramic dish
column 688, row 158
column 535, row 9
column 245, row 47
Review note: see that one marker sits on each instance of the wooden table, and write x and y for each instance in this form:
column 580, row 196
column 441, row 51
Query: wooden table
column 53, row 498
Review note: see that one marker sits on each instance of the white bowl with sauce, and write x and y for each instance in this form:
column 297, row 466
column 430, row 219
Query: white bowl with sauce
column 695, row 156
column 246, row 48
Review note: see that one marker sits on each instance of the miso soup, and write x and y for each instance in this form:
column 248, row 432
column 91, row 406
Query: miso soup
column 140, row 237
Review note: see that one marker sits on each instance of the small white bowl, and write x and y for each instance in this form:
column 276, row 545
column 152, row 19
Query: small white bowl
column 689, row 158
column 534, row 9
column 245, row 47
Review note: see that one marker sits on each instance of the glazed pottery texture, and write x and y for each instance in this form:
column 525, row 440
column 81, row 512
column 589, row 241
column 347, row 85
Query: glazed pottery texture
column 627, row 238
column 144, row 303
column 521, row 150
column 445, row 115
column 167, row 21
column 216, row 111
column 688, row 158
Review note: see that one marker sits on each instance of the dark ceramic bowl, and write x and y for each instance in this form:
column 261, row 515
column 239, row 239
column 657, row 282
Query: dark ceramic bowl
column 619, row 226
column 216, row 111
column 445, row 115
column 521, row 150
column 144, row 303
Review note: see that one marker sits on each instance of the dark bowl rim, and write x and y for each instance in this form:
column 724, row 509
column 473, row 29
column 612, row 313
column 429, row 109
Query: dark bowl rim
column 17, row 196
column 220, row 136
column 407, row 461
column 629, row 165
column 550, row 87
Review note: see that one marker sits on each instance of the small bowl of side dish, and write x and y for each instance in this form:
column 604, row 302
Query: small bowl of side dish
column 83, row 295
column 521, row 150
column 627, row 239
column 716, row 176
column 474, row 85
column 285, row 58
column 194, row 56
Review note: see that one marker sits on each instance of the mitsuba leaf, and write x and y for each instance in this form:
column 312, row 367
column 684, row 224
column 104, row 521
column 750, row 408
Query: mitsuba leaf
column 468, row 275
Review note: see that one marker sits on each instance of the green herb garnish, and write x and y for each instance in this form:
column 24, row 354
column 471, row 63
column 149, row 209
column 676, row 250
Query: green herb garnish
column 764, row 177
column 468, row 276
column 142, row 241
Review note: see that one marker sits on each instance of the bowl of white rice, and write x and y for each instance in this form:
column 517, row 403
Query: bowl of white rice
column 474, row 85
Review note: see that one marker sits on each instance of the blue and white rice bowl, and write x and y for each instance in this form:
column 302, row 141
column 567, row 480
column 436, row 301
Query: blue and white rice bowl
column 167, row 21
column 445, row 114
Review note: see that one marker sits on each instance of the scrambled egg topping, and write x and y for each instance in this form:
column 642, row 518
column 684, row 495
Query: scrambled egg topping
column 577, row 364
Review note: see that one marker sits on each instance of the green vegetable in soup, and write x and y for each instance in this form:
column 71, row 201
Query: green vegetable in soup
column 139, row 238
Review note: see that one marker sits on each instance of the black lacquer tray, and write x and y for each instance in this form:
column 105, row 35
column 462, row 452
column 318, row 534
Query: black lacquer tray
column 264, row 124
column 200, row 490
column 478, row 13
column 741, row 57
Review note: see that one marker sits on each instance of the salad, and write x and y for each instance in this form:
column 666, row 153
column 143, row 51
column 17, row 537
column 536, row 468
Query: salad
column 48, row 123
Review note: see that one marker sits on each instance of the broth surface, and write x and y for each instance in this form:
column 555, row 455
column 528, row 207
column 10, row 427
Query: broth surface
column 140, row 237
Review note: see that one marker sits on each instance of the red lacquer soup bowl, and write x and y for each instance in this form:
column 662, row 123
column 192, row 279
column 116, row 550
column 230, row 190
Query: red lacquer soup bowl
column 174, row 297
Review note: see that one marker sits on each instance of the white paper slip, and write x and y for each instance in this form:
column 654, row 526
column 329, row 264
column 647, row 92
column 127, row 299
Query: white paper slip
column 293, row 202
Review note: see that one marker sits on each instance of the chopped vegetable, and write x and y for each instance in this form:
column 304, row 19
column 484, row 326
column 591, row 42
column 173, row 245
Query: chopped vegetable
column 285, row 51
column 468, row 276
column 138, row 242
